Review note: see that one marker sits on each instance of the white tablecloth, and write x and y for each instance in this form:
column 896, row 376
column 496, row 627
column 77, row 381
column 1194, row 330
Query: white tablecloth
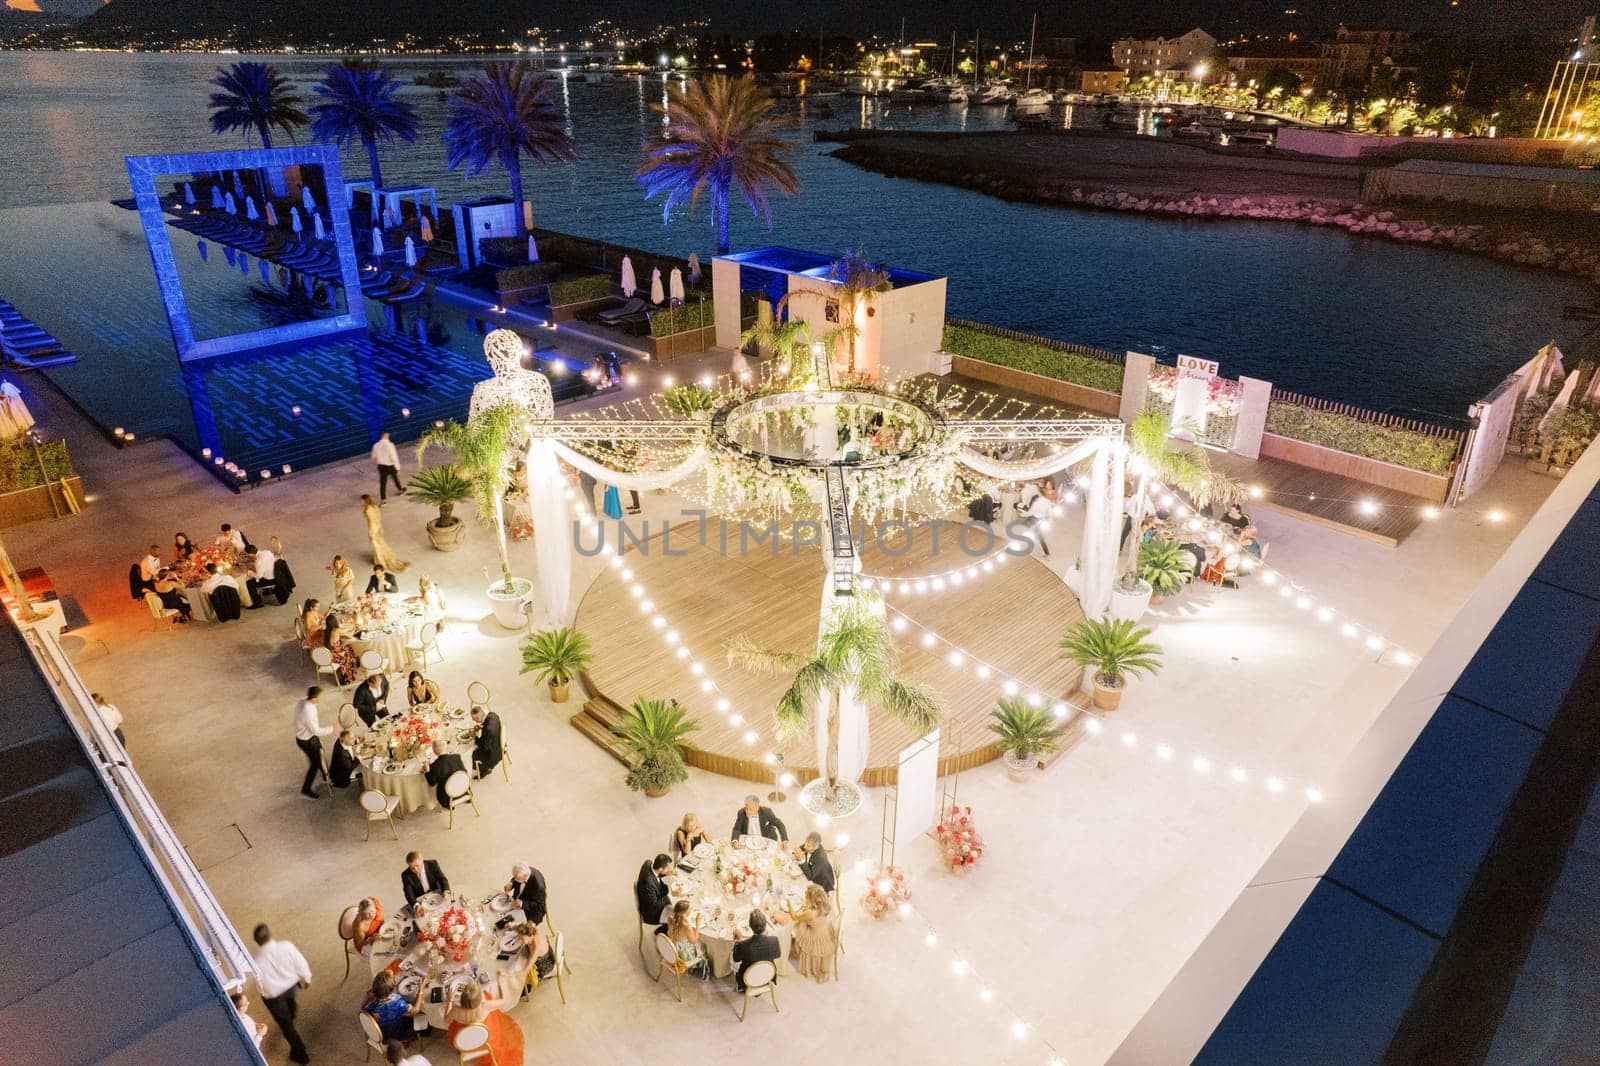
column 390, row 642
column 720, row 911
column 501, row 979
column 405, row 777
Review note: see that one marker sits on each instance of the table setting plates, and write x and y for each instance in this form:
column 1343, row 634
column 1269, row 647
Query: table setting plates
column 458, row 712
column 510, row 941
column 410, row 986
column 502, row 904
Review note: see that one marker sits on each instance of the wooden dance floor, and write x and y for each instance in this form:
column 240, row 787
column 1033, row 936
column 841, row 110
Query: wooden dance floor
column 1011, row 618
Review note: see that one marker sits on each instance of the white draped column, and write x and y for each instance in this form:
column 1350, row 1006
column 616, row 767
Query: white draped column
column 1102, row 528
column 552, row 529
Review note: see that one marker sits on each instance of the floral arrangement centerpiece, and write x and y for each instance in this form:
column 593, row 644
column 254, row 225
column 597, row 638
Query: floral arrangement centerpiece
column 520, row 528
column 958, row 838
column 886, row 891
column 372, row 609
column 410, row 736
column 739, row 878
column 448, row 933
column 194, row 568
column 1222, row 395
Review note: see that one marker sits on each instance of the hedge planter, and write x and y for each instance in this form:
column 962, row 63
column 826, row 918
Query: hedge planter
column 41, row 501
column 447, row 538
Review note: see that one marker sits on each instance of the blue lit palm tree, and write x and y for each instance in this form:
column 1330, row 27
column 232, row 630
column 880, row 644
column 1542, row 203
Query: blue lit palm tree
column 254, row 97
column 497, row 114
column 722, row 135
column 358, row 102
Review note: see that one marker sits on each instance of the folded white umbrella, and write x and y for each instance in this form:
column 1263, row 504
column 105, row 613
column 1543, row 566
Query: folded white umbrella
column 272, row 215
column 533, row 249
column 294, row 219
column 630, row 284
column 411, row 252
column 675, row 285
column 427, row 231
column 656, row 295
column 317, row 227
column 377, row 241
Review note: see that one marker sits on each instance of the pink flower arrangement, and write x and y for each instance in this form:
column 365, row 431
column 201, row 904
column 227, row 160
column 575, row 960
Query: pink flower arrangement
column 449, row 932
column 958, row 838
column 886, row 890
column 738, row 879
column 521, row 528
column 1222, row 394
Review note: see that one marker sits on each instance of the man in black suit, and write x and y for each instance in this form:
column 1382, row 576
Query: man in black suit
column 753, row 818
column 814, row 862
column 527, row 891
column 650, row 891
column 757, row 947
column 343, row 765
column 382, row 581
column 444, row 764
column 420, row 877
column 487, row 748
column 372, row 698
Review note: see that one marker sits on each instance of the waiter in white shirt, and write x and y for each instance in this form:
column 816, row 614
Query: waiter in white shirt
column 308, row 734
column 388, row 460
column 262, row 575
column 280, row 970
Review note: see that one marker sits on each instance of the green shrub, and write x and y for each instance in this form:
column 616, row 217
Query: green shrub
column 579, row 290
column 527, row 275
column 19, row 467
column 1403, row 447
column 683, row 317
column 506, row 251
column 1033, row 358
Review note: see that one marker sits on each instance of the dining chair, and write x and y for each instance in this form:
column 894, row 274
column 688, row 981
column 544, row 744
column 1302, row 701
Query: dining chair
column 473, row 690
column 322, row 659
column 372, row 661
column 347, row 933
column 427, row 640
column 379, row 807
column 505, row 756
column 373, row 1035
column 561, row 964
column 668, row 959
column 643, row 925
column 348, row 716
column 838, row 925
column 160, row 614
column 472, row 1044
column 761, row 979
column 458, row 787
column 300, row 637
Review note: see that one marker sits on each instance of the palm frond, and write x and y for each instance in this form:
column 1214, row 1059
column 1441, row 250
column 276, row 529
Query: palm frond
column 746, row 654
column 810, row 683
column 254, row 97
column 501, row 111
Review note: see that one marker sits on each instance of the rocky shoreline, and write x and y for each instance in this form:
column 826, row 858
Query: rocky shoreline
column 1409, row 223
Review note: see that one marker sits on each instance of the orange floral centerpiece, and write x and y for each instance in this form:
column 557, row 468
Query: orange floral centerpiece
column 448, row 932
column 738, row 878
column 410, row 736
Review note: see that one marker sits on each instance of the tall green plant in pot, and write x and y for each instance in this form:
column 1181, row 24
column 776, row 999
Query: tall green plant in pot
column 442, row 487
column 554, row 656
column 1164, row 566
column 1022, row 734
column 1113, row 649
column 483, row 452
column 652, row 735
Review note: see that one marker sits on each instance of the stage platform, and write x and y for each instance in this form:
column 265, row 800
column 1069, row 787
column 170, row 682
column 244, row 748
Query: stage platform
column 1011, row 618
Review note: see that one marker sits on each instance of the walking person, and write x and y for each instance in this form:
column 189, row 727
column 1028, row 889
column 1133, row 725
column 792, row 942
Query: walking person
column 280, row 971
column 382, row 554
column 388, row 462
column 308, row 734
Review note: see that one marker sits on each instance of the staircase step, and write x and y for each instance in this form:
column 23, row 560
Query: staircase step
column 1081, row 701
column 600, row 734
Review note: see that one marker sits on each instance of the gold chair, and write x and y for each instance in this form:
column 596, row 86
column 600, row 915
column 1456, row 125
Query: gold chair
column 427, row 640
column 643, row 925
column 838, row 925
column 373, row 1035
column 472, row 693
column 555, row 938
column 472, row 1044
column 347, row 933
column 667, row 959
column 379, row 807
column 505, row 756
column 761, row 979
column 561, row 964
column 322, row 659
column 160, row 614
column 348, row 716
column 458, row 787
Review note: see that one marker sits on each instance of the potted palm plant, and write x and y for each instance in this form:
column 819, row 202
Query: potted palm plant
column 442, row 487
column 652, row 735
column 1112, row 650
column 689, row 401
column 553, row 656
column 1022, row 734
column 1163, row 566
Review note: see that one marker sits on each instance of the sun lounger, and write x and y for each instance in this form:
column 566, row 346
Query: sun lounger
column 629, row 308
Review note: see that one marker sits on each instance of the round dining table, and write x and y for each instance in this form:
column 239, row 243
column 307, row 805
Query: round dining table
column 435, row 972
column 390, row 635
column 403, row 775
column 728, row 881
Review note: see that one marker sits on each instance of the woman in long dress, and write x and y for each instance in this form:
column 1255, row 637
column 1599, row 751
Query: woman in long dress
column 815, row 936
column 344, row 580
column 505, row 1035
column 382, row 554
column 613, row 502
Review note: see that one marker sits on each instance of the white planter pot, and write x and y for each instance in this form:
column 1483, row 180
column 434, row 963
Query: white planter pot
column 1019, row 770
column 508, row 604
column 1130, row 606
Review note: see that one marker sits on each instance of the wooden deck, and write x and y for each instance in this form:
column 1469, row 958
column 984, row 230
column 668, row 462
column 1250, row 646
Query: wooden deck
column 1011, row 618
column 1290, row 488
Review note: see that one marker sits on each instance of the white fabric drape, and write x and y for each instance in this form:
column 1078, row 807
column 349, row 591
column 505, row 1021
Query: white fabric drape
column 640, row 480
column 1102, row 527
column 1028, row 469
column 552, row 525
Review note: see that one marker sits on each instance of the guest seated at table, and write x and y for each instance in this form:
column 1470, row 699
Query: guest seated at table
column 689, row 835
column 420, row 877
column 754, row 819
column 814, row 862
column 369, row 919
column 230, row 539
column 344, row 580
column 382, row 581
column 488, row 742
column 443, row 765
column 395, row 1015
column 505, row 1035
column 420, row 690
column 527, row 890
column 170, row 589
column 432, row 600
column 372, row 698
column 759, row 946
column 219, row 587
column 1250, row 541
column 262, row 579
column 150, row 565
column 814, row 936
column 345, row 662
column 1235, row 517
column 182, row 547
column 650, row 892
column 539, row 950
column 344, row 765
column 311, row 623
column 685, row 936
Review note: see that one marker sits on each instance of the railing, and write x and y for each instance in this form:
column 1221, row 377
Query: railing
column 208, row 928
column 1377, row 418
column 1116, row 358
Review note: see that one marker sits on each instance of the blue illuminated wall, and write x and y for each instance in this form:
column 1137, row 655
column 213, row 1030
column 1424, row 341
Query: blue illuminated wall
column 145, row 171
